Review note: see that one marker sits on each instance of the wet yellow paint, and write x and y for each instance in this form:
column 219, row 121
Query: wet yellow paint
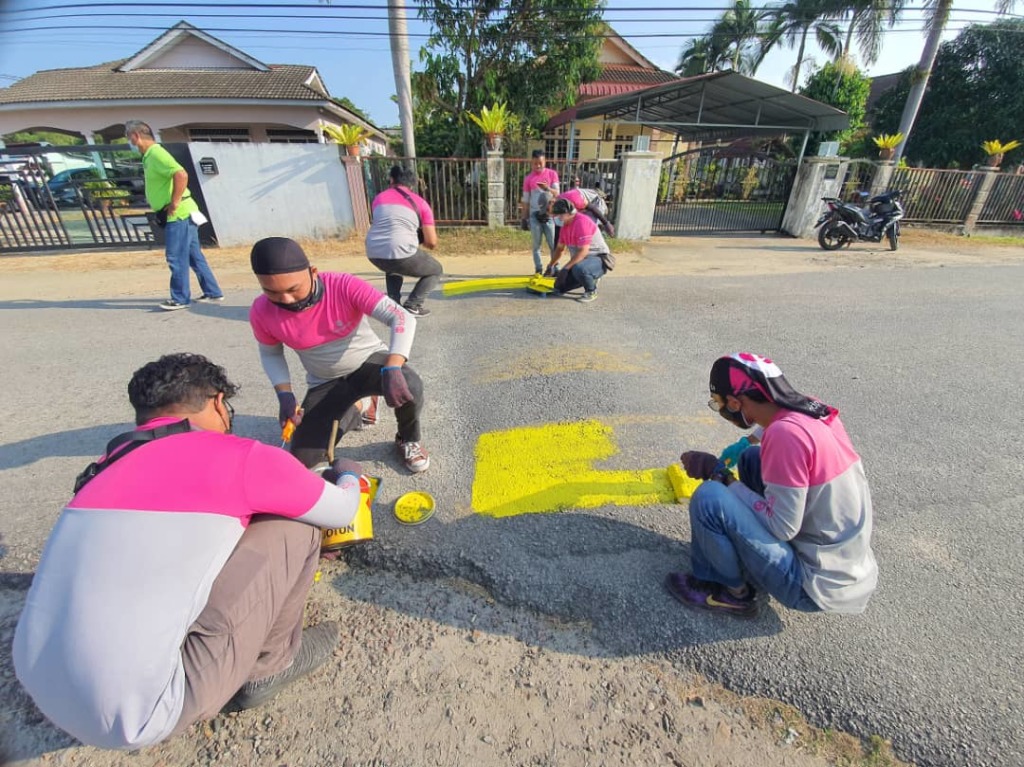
column 552, row 468
column 461, row 287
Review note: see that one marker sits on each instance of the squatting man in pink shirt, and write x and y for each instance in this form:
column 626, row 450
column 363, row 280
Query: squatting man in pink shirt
column 797, row 523
column 174, row 581
column 323, row 317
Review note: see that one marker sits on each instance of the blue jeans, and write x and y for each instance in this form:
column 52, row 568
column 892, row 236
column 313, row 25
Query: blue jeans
column 730, row 545
column 540, row 230
column 586, row 273
column 181, row 248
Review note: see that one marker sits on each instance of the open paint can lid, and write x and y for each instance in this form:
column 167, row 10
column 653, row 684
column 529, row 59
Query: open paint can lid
column 414, row 508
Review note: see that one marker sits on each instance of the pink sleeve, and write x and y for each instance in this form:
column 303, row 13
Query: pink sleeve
column 787, row 454
column 256, row 312
column 426, row 214
column 359, row 293
column 275, row 482
column 574, row 196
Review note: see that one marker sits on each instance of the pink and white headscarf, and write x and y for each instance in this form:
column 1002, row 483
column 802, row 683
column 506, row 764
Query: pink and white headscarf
column 743, row 372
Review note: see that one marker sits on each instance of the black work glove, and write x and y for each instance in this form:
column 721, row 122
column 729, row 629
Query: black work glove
column 396, row 390
column 524, row 224
column 699, row 465
column 287, row 405
column 342, row 466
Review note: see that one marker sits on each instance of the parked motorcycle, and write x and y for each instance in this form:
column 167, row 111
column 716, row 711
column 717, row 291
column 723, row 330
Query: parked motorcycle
column 844, row 223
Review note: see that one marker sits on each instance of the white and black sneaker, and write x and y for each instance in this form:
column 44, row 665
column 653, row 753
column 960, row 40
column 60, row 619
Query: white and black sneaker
column 170, row 305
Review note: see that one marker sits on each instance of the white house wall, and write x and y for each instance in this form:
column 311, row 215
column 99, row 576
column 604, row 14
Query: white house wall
column 274, row 190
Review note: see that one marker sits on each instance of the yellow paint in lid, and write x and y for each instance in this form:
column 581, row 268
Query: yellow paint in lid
column 414, row 508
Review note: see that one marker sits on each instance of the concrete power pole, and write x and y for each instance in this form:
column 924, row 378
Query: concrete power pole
column 400, row 62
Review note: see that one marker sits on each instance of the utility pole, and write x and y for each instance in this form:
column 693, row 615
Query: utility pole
column 400, row 62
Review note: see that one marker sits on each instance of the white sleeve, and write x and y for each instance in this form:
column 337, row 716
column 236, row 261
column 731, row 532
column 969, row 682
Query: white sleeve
column 402, row 324
column 337, row 505
column 274, row 364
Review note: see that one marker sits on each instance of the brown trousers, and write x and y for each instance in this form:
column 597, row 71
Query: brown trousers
column 251, row 626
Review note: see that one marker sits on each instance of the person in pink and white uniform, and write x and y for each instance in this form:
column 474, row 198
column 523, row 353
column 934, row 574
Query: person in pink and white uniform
column 539, row 186
column 797, row 523
column 175, row 579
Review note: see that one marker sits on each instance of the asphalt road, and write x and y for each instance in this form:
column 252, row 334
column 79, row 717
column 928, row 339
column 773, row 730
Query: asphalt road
column 923, row 363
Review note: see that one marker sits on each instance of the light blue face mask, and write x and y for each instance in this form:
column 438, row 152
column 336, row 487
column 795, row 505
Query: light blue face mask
column 135, row 147
column 559, row 221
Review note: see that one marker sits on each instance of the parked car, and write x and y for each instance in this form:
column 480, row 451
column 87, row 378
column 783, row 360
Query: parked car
column 65, row 187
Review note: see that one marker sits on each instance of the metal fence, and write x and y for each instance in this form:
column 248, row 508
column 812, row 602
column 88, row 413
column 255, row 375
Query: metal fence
column 860, row 174
column 936, row 196
column 702, row 192
column 1005, row 202
column 454, row 187
column 587, row 174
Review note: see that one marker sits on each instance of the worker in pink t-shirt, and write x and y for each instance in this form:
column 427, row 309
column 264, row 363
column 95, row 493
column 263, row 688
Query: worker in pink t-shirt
column 175, row 580
column 539, row 187
column 324, row 319
column 589, row 256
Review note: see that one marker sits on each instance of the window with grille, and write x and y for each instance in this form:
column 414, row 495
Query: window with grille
column 556, row 144
column 622, row 144
column 220, row 135
column 291, row 136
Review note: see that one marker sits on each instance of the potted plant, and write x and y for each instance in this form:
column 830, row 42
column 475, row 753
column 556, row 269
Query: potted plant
column 348, row 136
column 493, row 123
column 887, row 143
column 995, row 150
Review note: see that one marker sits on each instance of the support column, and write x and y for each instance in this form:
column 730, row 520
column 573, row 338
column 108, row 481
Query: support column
column 495, row 189
column 96, row 157
column 356, row 190
column 984, row 189
column 816, row 177
column 638, row 194
column 883, row 175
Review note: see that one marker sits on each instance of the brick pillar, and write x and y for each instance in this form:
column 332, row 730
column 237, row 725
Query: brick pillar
column 984, row 189
column 357, row 191
column 495, row 189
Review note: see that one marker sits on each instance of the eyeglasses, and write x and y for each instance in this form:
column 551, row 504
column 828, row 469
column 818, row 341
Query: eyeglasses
column 231, row 411
column 716, row 403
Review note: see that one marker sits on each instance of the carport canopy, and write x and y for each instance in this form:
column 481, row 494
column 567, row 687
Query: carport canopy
column 719, row 105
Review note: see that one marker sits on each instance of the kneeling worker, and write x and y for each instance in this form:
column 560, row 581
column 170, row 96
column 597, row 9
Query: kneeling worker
column 797, row 523
column 175, row 579
column 590, row 257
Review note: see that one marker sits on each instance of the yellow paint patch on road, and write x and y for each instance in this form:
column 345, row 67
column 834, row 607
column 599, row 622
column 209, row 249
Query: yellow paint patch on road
column 552, row 360
column 462, row 287
column 551, row 468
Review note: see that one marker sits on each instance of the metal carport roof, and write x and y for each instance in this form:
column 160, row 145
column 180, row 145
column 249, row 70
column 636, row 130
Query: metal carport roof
column 717, row 106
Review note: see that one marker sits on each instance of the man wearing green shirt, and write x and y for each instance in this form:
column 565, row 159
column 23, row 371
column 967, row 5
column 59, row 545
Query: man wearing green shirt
column 167, row 192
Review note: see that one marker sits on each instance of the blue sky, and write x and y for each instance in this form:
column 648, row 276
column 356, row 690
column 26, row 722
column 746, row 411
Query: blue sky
column 350, row 45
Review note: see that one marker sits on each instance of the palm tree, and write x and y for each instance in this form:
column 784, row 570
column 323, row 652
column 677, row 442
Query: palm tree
column 869, row 19
column 703, row 55
column 934, row 25
column 794, row 21
column 736, row 30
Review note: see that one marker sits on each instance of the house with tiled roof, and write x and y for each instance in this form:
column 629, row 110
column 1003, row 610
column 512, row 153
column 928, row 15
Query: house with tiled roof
column 190, row 87
column 623, row 70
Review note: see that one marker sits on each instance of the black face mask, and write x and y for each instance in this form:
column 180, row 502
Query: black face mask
column 315, row 294
column 735, row 418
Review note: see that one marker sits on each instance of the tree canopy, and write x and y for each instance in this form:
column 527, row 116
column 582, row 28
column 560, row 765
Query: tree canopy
column 530, row 54
column 842, row 85
column 973, row 95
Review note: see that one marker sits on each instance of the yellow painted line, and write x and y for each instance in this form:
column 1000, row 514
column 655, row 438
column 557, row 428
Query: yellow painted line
column 552, row 468
column 489, row 283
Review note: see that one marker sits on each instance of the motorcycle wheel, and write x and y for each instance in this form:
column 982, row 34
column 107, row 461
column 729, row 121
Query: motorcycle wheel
column 894, row 236
column 831, row 236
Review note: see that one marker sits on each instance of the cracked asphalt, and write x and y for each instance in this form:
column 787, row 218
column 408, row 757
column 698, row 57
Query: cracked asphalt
column 921, row 361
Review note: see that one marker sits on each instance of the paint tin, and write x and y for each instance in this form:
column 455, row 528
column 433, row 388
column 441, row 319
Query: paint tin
column 414, row 508
column 361, row 527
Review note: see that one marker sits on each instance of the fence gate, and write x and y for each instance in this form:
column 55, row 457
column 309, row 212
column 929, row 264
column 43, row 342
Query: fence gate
column 707, row 190
column 454, row 187
column 61, row 198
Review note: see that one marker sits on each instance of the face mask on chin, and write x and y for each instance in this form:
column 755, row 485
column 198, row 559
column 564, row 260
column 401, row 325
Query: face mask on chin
column 315, row 294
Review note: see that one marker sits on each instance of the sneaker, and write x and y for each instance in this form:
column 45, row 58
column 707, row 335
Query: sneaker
column 417, row 311
column 170, row 305
column 413, row 454
column 705, row 595
column 205, row 297
column 317, row 645
column 369, row 412
column 587, row 297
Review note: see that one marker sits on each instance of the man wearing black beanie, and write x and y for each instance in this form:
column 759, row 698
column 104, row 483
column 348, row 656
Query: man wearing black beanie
column 323, row 318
